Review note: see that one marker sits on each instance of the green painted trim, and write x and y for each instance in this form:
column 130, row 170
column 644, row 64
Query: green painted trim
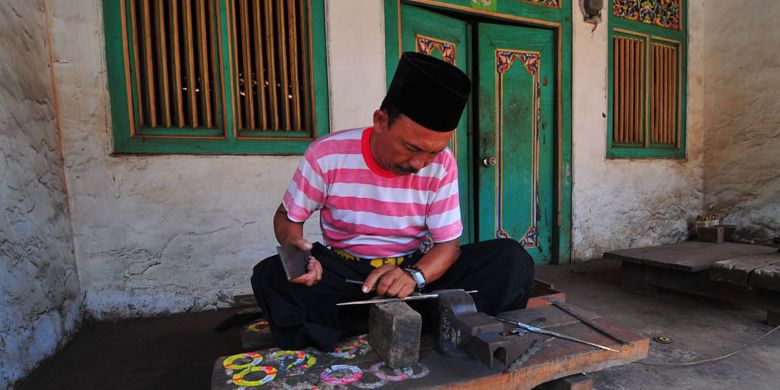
column 648, row 32
column 193, row 142
column 112, row 17
column 563, row 210
column 562, row 252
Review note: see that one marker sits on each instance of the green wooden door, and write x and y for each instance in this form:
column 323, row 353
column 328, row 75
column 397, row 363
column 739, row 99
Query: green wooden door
column 448, row 39
column 505, row 159
column 515, row 131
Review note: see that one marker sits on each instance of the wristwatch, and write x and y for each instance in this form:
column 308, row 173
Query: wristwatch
column 418, row 276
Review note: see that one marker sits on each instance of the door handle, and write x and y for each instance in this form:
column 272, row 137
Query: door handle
column 489, row 161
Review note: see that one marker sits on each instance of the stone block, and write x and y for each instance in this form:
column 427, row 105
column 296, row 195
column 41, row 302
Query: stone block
column 394, row 333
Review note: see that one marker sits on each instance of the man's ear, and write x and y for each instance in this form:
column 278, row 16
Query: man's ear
column 380, row 121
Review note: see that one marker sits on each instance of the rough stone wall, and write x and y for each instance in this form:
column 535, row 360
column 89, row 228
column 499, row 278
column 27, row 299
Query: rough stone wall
column 171, row 233
column 742, row 111
column 623, row 203
column 40, row 303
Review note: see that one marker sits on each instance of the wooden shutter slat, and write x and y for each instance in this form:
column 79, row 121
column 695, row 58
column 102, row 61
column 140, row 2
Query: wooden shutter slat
column 189, row 43
column 149, row 69
column 285, row 84
column 270, row 56
column 178, row 98
column 137, row 62
column 203, row 65
column 162, row 63
column 294, row 90
column 247, row 65
column 257, row 19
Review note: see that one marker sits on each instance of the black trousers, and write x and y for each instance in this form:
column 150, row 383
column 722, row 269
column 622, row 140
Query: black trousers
column 501, row 270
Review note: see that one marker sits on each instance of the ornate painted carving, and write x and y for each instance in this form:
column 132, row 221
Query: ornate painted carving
column 427, row 45
column 546, row 3
column 504, row 61
column 663, row 13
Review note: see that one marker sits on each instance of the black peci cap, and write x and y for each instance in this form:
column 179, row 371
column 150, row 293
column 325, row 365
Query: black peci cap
column 429, row 91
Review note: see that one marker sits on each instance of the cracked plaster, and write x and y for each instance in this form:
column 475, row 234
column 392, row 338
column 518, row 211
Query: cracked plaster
column 742, row 110
column 40, row 299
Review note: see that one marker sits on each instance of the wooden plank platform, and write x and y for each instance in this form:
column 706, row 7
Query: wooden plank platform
column 355, row 365
column 739, row 270
column 686, row 267
column 687, row 256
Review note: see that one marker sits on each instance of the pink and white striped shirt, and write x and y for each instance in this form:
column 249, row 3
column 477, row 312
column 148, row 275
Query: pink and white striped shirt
column 369, row 211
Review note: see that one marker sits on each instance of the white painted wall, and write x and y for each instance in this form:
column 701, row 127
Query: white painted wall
column 163, row 234
column 742, row 115
column 623, row 203
column 40, row 303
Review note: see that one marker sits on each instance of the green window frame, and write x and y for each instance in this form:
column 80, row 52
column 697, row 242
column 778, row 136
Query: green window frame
column 222, row 126
column 647, row 83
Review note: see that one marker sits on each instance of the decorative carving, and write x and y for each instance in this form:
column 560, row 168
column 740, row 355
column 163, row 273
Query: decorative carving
column 427, row 45
column 546, row 3
column 504, row 61
column 663, row 13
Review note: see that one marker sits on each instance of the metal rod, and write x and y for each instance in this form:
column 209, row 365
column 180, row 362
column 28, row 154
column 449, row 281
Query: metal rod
column 534, row 329
column 587, row 321
column 416, row 297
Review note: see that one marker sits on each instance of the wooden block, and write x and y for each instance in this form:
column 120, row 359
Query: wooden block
column 710, row 234
column 574, row 382
column 737, row 271
column 766, row 277
column 394, row 333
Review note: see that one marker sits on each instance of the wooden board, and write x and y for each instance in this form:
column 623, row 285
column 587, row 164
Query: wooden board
column 766, row 277
column 739, row 270
column 687, row 256
column 355, row 361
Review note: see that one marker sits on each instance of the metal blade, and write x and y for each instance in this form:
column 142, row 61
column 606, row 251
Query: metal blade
column 535, row 329
column 415, row 297
column 383, row 300
column 570, row 338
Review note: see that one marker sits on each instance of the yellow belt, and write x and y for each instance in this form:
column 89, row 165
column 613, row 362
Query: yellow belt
column 376, row 262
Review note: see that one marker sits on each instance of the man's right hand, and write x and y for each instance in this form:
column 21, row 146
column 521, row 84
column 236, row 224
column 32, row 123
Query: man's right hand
column 314, row 267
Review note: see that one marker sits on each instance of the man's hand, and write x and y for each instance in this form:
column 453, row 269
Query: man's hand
column 314, row 267
column 390, row 281
column 313, row 276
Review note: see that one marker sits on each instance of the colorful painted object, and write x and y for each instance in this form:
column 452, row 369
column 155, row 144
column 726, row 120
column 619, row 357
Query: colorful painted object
column 240, row 379
column 662, row 13
column 352, row 349
column 242, row 360
column 341, row 374
column 260, row 327
column 427, row 45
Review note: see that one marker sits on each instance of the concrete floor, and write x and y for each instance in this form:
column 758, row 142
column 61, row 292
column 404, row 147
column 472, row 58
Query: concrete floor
column 178, row 352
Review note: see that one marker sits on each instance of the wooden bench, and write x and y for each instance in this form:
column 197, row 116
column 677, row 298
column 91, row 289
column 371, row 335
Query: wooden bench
column 739, row 273
column 354, row 364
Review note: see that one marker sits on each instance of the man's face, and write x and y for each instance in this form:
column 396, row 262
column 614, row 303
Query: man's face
column 405, row 147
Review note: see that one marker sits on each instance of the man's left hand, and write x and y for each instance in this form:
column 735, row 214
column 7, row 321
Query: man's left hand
column 390, row 281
